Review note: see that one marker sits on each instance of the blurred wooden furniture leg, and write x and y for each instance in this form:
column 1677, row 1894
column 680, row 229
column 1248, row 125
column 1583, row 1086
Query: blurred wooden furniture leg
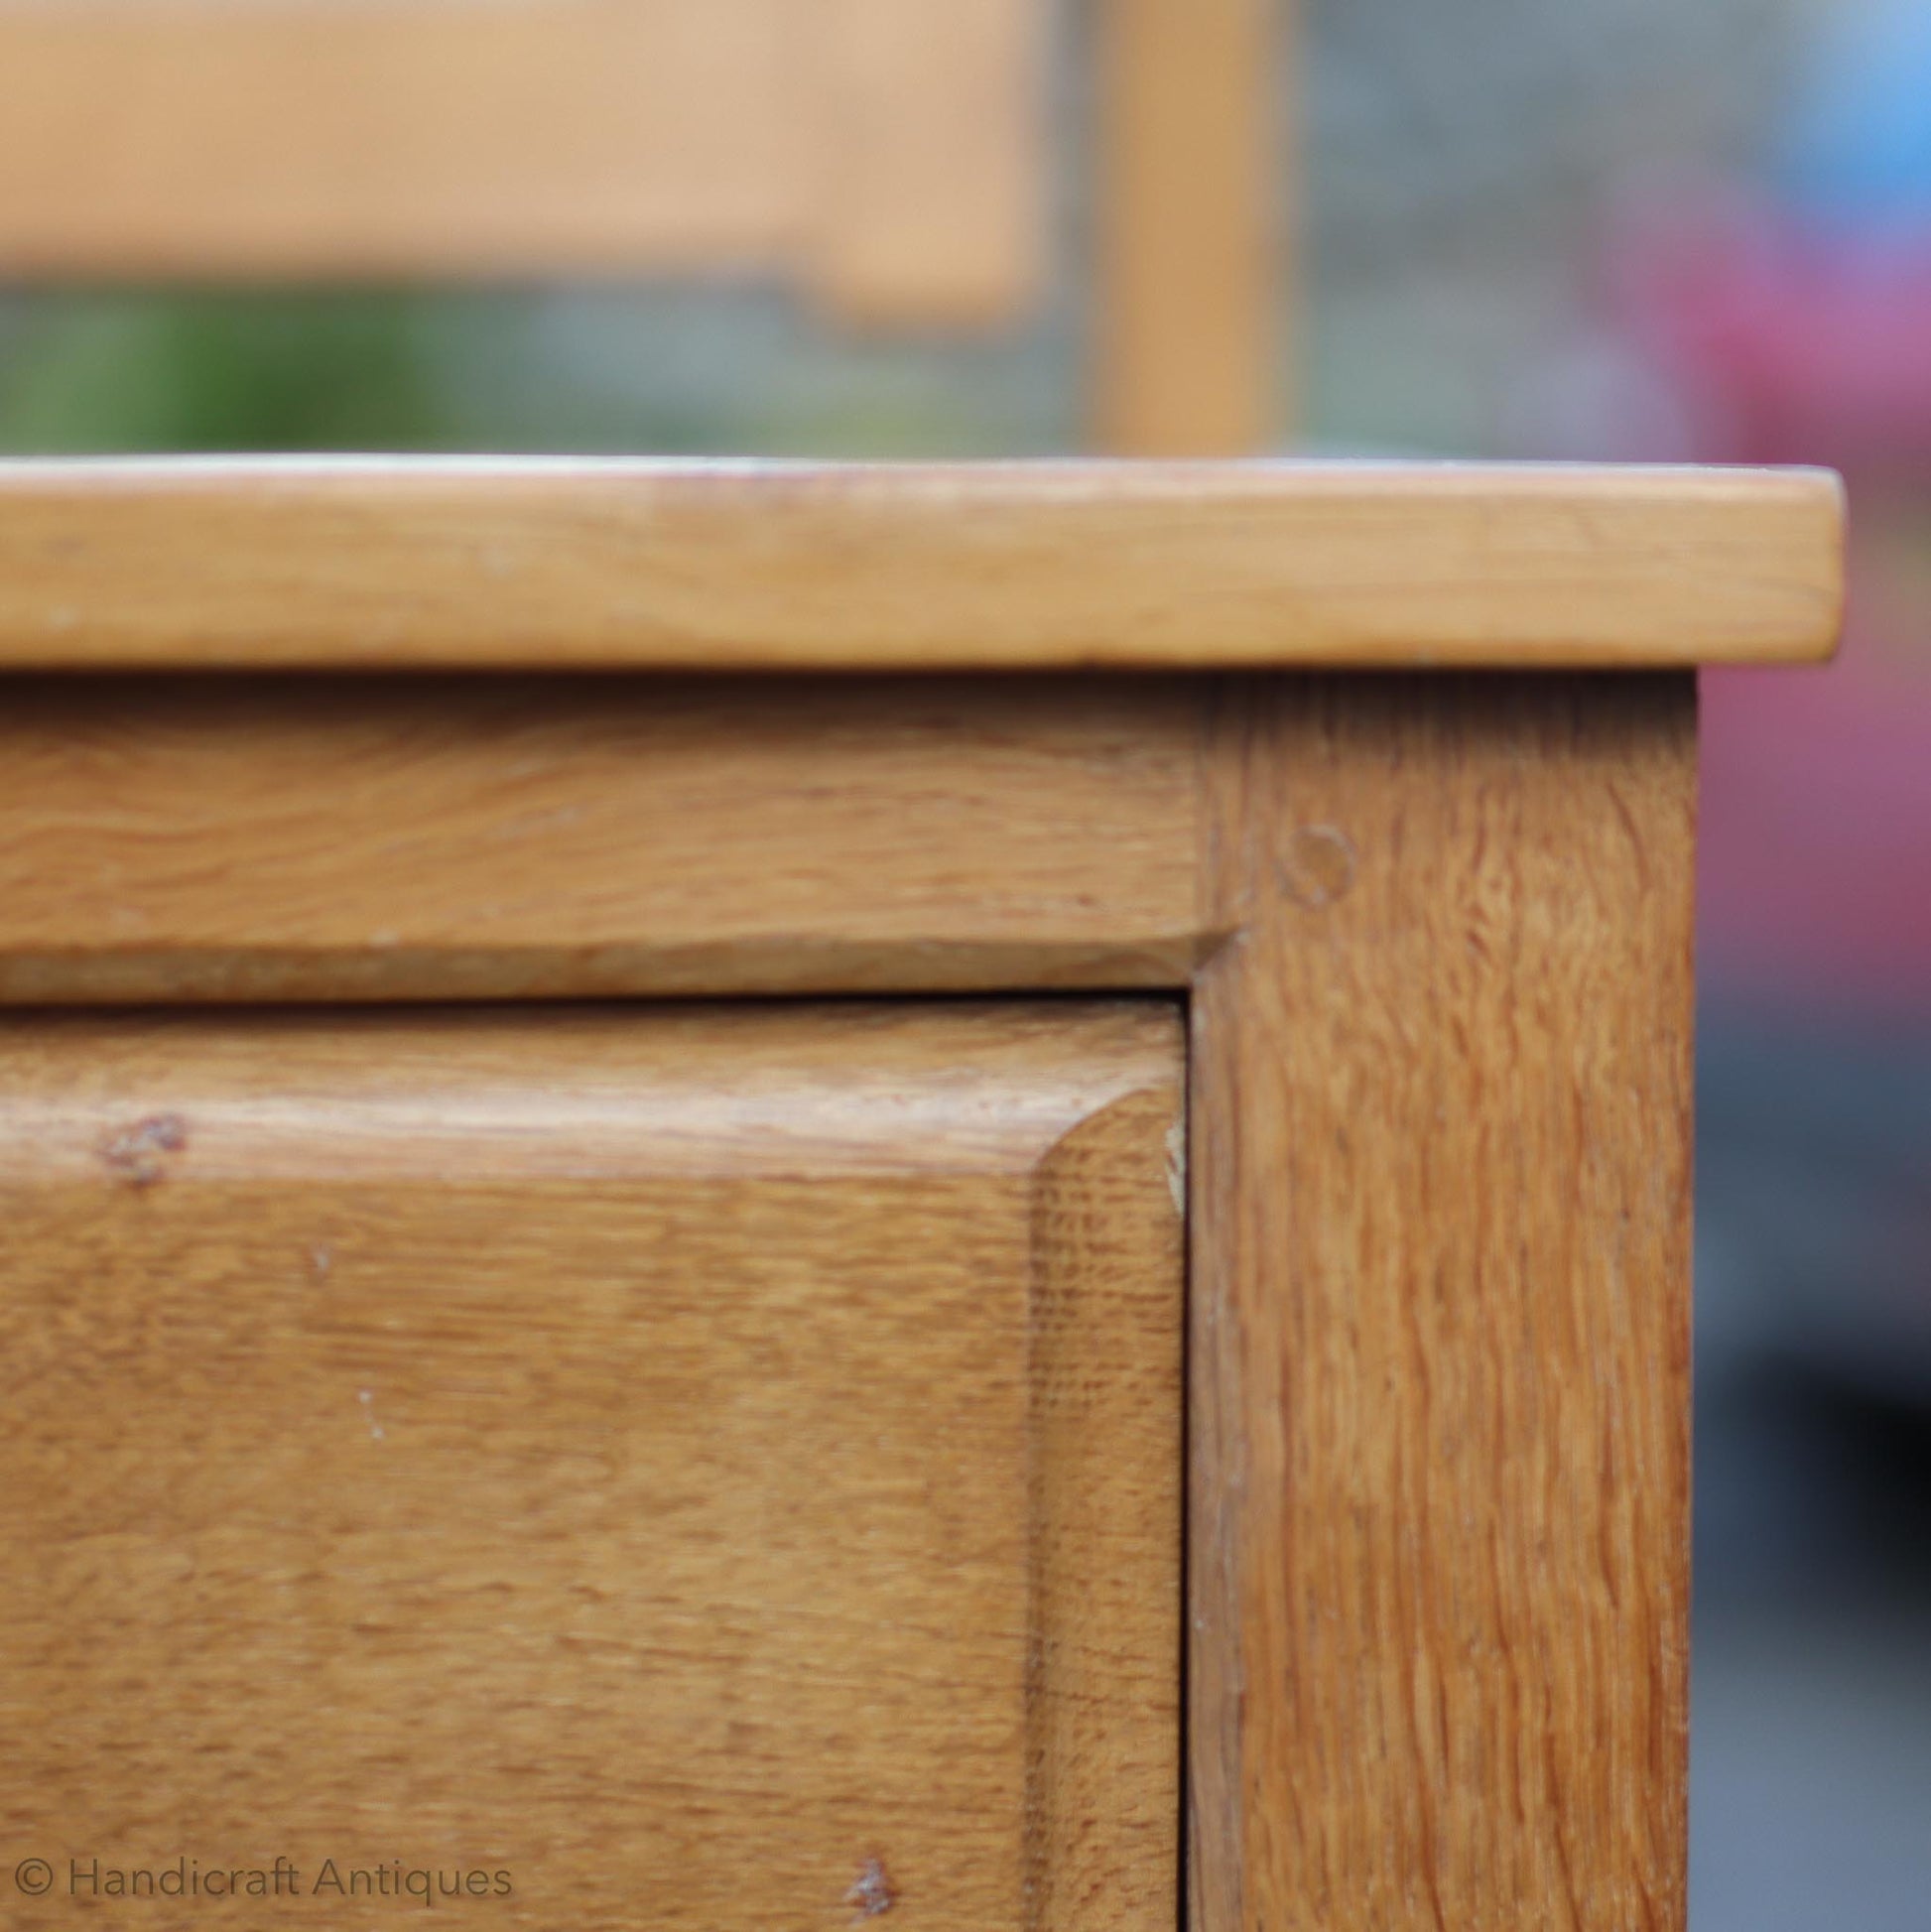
column 1189, row 292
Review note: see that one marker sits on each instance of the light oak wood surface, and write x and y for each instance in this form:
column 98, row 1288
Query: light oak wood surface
column 482, row 563
column 889, row 157
column 1439, row 1413
column 719, row 1467
column 1436, row 933
column 443, row 839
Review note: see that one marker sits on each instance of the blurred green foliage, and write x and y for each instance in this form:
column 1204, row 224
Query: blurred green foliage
column 139, row 371
column 642, row 368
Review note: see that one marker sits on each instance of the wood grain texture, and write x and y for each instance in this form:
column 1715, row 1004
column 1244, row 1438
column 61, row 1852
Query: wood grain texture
column 1440, row 1309
column 203, row 139
column 1188, row 298
column 713, row 1468
column 975, row 566
column 490, row 838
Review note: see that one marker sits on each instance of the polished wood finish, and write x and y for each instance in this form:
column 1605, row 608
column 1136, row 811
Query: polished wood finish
column 1434, row 934
column 478, row 565
column 1440, row 1308
column 718, row 1468
column 834, row 141
column 1190, row 276
column 443, row 839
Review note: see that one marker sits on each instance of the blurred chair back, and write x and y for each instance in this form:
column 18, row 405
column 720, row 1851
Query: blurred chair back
column 887, row 158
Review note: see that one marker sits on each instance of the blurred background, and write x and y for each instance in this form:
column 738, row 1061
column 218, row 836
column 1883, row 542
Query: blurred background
column 1647, row 229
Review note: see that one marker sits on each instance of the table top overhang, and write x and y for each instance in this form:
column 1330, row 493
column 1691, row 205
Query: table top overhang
column 615, row 564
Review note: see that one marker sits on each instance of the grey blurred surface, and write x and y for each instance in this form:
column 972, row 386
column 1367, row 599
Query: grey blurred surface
column 1810, row 1788
column 1811, row 1656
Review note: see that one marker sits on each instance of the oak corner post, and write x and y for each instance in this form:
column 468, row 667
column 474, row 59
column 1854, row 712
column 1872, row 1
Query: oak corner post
column 1439, row 1353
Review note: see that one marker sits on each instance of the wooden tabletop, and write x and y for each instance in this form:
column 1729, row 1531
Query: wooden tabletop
column 384, row 562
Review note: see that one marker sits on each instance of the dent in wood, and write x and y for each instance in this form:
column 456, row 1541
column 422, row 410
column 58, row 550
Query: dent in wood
column 872, row 1893
column 137, row 1155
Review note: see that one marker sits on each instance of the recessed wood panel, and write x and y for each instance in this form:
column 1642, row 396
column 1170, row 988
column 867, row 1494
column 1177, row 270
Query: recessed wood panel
column 717, row 1469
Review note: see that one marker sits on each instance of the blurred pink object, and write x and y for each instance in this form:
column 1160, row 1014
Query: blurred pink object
column 1816, row 836
column 1792, row 345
